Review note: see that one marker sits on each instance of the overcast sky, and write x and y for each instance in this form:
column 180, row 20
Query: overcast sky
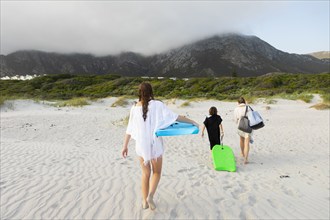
column 149, row 27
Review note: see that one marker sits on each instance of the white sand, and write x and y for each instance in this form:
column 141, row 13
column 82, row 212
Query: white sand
column 65, row 163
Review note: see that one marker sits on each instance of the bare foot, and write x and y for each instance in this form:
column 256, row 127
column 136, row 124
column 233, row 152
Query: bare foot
column 145, row 205
column 246, row 161
column 151, row 202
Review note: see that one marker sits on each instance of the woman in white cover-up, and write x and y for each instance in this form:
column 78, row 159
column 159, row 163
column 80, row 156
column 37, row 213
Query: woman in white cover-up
column 245, row 138
column 146, row 117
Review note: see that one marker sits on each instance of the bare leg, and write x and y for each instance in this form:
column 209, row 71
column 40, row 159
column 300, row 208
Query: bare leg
column 241, row 142
column 146, row 170
column 157, row 171
column 246, row 149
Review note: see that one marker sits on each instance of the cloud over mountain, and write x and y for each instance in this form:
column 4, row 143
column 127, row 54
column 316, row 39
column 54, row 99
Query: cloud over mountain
column 221, row 55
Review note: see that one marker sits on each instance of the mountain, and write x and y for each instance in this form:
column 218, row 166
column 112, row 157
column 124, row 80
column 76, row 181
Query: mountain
column 38, row 62
column 216, row 56
column 321, row 54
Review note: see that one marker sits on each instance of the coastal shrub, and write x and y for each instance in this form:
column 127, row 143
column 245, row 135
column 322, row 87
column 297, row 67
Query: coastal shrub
column 46, row 86
column 66, row 86
column 219, row 96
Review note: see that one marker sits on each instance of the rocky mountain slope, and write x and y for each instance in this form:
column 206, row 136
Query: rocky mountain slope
column 223, row 55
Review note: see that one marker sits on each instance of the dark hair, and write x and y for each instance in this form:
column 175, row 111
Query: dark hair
column 145, row 95
column 241, row 100
column 213, row 110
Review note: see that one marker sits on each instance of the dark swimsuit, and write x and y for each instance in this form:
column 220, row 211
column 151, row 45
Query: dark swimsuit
column 212, row 126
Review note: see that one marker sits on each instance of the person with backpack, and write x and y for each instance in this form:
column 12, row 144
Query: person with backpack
column 245, row 138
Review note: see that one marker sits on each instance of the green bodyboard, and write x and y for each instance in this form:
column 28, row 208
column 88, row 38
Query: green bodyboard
column 223, row 158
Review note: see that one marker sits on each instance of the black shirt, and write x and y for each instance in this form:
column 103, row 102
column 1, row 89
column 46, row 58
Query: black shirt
column 212, row 124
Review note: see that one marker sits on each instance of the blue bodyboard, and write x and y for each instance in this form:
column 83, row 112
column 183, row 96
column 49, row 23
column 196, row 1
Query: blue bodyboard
column 223, row 158
column 178, row 128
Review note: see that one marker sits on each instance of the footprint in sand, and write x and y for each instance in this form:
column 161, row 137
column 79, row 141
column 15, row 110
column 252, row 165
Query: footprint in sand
column 252, row 200
column 182, row 170
column 54, row 206
column 217, row 201
column 288, row 192
column 235, row 194
column 180, row 194
column 173, row 214
column 225, row 188
column 242, row 215
column 2, row 185
column 272, row 203
column 67, row 188
column 197, row 184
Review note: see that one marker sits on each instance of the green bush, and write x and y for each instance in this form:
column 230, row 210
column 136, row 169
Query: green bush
column 66, row 86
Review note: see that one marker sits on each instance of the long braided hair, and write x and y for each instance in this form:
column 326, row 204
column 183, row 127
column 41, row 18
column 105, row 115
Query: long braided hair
column 145, row 95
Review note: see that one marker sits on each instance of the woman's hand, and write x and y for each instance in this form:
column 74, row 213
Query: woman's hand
column 196, row 124
column 124, row 152
column 187, row 120
column 203, row 128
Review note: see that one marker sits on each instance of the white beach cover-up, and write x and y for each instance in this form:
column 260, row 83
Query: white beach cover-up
column 147, row 144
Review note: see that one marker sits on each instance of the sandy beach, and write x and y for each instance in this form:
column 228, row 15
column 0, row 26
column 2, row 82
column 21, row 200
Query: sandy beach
column 65, row 163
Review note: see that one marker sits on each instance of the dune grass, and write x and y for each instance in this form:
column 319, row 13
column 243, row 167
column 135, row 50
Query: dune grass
column 321, row 106
column 325, row 104
column 4, row 98
column 4, row 102
column 121, row 101
column 185, row 104
column 121, row 122
column 306, row 97
column 75, row 102
column 326, row 97
column 188, row 102
column 270, row 101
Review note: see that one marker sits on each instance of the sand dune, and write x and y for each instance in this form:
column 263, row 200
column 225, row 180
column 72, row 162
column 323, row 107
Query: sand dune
column 65, row 163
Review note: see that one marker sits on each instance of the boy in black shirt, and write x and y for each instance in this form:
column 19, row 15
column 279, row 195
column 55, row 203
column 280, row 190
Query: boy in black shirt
column 214, row 127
